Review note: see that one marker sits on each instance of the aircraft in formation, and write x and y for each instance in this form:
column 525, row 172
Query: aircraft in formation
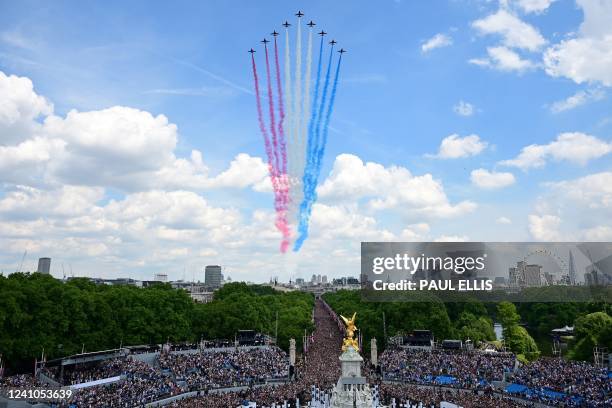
column 311, row 24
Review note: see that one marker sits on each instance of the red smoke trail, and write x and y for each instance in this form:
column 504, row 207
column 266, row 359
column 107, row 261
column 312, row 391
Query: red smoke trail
column 272, row 116
column 281, row 110
column 281, row 217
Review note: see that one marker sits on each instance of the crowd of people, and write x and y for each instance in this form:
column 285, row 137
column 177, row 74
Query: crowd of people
column 582, row 383
column 427, row 397
column 258, row 374
column 461, row 369
column 88, row 372
column 227, row 368
column 319, row 366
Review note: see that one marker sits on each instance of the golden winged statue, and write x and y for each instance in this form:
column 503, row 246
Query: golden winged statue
column 349, row 340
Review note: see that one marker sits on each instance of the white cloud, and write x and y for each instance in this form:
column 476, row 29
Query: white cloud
column 533, row 6
column 389, row 188
column 503, row 59
column 504, row 220
column 456, row 147
column 514, row 32
column 452, row 238
column 491, row 180
column 587, row 57
column 598, row 234
column 576, row 147
column 437, row 41
column 577, row 209
column 578, row 99
column 414, row 232
column 545, row 227
column 20, row 107
column 463, row 108
column 593, row 191
column 109, row 184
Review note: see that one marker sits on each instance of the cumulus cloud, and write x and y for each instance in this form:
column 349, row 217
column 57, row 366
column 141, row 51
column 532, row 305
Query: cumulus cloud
column 503, row 220
column 503, row 59
column 593, row 191
column 463, row 108
column 576, row 147
column 578, row 99
column 389, row 188
column 110, row 184
column 452, row 238
column 20, row 108
column 514, row 32
column 545, row 227
column 533, row 6
column 576, row 209
column 437, row 41
column 491, row 179
column 119, row 147
column 586, row 56
column 456, row 147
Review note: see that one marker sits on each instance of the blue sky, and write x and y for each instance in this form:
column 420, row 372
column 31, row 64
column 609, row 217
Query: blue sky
column 512, row 65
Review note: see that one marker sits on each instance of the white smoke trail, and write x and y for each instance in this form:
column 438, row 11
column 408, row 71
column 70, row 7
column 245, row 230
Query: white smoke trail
column 297, row 141
column 288, row 125
column 306, row 115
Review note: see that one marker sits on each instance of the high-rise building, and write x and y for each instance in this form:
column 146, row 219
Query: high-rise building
column 533, row 275
column 213, row 276
column 572, row 269
column 44, row 265
column 160, row 277
column 513, row 278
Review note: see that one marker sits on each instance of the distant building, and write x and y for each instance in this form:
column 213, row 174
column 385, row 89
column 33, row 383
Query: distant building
column 213, row 277
column 161, row 277
column 513, row 277
column 44, row 265
column 299, row 281
column 324, row 279
column 533, row 275
column 572, row 269
column 549, row 278
column 499, row 281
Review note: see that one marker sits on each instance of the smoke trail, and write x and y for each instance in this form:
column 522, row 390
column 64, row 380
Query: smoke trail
column 307, row 107
column 282, row 226
column 313, row 117
column 304, row 125
column 281, row 112
column 321, row 152
column 281, row 190
column 297, row 101
column 272, row 116
column 288, row 122
column 310, row 173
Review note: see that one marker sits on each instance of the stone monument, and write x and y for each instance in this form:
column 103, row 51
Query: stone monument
column 352, row 390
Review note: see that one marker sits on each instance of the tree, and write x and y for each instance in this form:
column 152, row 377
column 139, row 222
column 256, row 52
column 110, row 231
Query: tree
column 516, row 338
column 594, row 329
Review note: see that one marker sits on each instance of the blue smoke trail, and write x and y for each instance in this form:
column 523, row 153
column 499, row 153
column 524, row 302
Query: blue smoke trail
column 321, row 152
column 313, row 116
column 311, row 174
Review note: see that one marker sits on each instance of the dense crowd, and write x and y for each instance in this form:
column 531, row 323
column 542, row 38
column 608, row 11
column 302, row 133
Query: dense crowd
column 581, row 382
column 226, row 368
column 467, row 369
column 426, row 397
column 320, row 366
column 467, row 377
column 88, row 372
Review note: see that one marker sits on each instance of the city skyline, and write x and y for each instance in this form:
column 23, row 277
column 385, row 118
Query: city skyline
column 129, row 145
